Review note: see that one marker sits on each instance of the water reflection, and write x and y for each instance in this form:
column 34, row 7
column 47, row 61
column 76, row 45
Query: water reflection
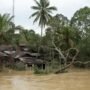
column 78, row 80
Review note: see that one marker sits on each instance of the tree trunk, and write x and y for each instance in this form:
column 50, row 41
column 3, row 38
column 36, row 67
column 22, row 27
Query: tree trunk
column 65, row 58
column 60, row 53
column 67, row 66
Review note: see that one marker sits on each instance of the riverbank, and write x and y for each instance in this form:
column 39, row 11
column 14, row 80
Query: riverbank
column 12, row 72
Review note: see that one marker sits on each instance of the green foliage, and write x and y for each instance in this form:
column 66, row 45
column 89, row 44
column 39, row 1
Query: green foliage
column 81, row 21
column 32, row 39
column 6, row 26
column 62, row 33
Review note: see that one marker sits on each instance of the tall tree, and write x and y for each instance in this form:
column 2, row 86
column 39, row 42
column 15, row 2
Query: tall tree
column 81, row 21
column 61, row 26
column 62, row 38
column 42, row 13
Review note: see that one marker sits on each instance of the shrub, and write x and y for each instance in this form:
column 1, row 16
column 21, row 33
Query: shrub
column 20, row 66
column 39, row 71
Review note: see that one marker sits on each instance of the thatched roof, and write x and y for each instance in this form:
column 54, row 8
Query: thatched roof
column 6, row 47
column 26, row 54
column 10, row 52
column 30, row 60
column 2, row 54
column 35, row 54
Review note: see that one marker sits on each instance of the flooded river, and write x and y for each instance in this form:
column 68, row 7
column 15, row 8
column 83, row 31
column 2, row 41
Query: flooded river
column 73, row 80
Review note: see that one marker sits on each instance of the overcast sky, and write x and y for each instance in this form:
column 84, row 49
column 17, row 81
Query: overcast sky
column 23, row 10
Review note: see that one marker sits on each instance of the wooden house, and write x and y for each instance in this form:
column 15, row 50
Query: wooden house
column 30, row 59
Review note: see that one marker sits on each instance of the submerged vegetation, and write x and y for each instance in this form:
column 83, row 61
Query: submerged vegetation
column 66, row 42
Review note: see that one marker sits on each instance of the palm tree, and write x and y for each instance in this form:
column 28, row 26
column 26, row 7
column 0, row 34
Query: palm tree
column 5, row 25
column 42, row 13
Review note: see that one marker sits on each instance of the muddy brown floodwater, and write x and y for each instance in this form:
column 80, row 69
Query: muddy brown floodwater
column 73, row 80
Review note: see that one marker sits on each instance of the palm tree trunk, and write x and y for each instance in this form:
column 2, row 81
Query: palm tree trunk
column 41, row 31
column 13, row 9
column 40, row 40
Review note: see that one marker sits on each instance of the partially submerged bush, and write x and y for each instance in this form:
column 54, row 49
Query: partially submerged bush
column 40, row 71
column 20, row 66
